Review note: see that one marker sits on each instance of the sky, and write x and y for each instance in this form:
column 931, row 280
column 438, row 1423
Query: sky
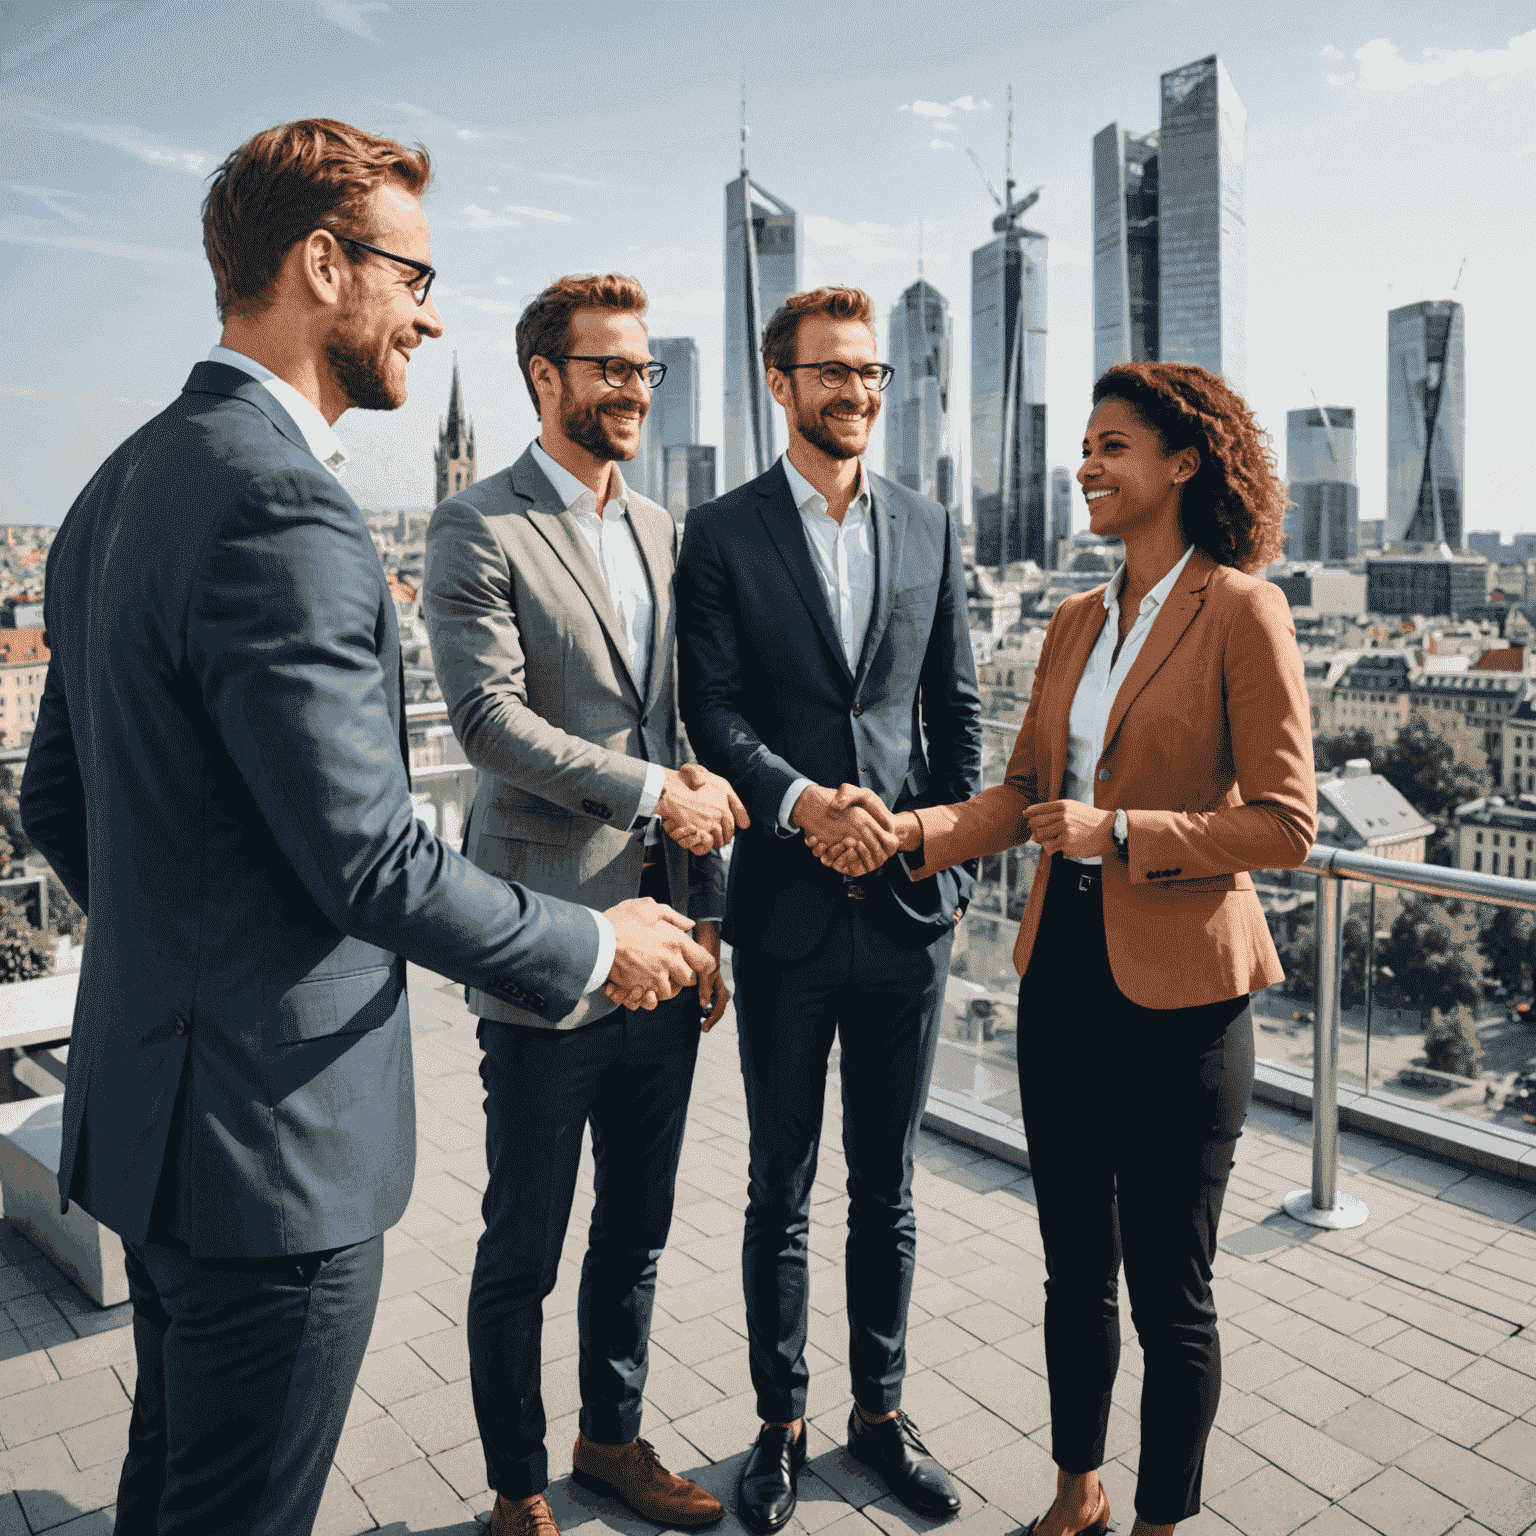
column 1391, row 156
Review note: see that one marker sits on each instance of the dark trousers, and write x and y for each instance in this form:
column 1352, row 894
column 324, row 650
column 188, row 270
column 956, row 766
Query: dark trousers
column 882, row 1002
column 630, row 1075
column 246, row 1368
column 1132, row 1115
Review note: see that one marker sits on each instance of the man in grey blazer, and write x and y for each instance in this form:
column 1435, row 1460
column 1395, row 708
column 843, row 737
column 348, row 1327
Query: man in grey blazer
column 219, row 777
column 548, row 598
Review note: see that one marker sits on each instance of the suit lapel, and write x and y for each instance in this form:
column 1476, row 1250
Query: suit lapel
column 1077, row 647
column 890, row 526
column 559, row 530
column 1173, row 618
column 653, row 538
column 781, row 517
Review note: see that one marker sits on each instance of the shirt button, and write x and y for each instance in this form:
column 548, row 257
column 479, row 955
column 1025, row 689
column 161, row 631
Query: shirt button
column 1103, row 773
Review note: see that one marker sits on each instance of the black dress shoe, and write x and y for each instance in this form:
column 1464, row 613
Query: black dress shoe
column 893, row 1449
column 765, row 1491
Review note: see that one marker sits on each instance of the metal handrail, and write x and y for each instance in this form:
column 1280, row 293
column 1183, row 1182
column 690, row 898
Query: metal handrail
column 1325, row 1205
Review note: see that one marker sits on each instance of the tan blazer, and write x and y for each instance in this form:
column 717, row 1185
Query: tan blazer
column 536, row 674
column 1208, row 750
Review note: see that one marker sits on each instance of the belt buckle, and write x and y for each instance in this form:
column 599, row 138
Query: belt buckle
column 855, row 892
column 1085, row 882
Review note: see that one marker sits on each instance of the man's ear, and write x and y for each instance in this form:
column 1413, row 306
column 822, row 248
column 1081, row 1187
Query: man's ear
column 320, row 264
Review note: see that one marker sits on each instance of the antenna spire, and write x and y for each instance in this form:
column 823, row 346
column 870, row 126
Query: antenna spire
column 919, row 250
column 744, row 128
column 1010, row 185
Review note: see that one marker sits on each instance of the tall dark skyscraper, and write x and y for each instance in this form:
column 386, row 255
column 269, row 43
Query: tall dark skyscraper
column 1426, row 424
column 1170, row 233
column 763, row 246
column 916, row 407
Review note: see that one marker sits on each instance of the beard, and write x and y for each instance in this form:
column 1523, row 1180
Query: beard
column 357, row 370
column 585, row 427
column 813, row 428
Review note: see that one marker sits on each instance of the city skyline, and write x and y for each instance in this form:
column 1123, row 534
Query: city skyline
column 1350, row 127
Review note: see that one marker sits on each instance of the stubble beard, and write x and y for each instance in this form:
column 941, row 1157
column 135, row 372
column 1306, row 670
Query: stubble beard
column 814, row 430
column 357, row 371
column 584, row 426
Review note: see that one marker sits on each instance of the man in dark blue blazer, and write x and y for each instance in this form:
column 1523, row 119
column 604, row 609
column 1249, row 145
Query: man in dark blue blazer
column 827, row 673
column 219, row 777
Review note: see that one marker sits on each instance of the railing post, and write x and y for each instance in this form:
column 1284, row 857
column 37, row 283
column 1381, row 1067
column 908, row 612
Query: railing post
column 1323, row 1205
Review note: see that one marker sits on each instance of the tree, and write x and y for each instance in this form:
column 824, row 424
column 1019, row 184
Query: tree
column 1451, row 1043
column 1426, row 957
column 1508, row 943
column 16, row 844
column 23, row 954
column 1334, row 751
column 1434, row 768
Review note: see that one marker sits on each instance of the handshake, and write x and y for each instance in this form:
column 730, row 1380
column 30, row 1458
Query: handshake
column 698, row 809
column 850, row 830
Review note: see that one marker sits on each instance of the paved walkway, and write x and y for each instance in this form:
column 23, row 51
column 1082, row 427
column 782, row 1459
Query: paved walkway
column 1382, row 1380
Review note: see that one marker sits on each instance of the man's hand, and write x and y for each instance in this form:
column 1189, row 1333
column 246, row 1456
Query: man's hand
column 843, row 855
column 654, row 958
column 713, row 992
column 698, row 809
column 848, row 816
column 1070, row 827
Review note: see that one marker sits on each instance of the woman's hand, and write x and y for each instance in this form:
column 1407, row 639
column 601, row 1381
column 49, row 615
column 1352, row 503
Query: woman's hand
column 1070, row 827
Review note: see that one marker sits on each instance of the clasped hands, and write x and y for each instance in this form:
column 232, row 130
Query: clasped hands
column 698, row 809
column 654, row 958
column 850, row 830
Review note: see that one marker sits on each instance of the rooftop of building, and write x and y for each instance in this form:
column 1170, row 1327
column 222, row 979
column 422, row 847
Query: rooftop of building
column 20, row 647
column 1360, row 809
column 1519, row 812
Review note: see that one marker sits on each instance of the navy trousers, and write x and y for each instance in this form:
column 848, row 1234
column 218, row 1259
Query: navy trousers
column 246, row 1369
column 629, row 1075
column 1131, row 1169
column 881, row 1001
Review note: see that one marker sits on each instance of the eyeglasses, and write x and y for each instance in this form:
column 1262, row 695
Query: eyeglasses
column 419, row 293
column 834, row 375
column 617, row 371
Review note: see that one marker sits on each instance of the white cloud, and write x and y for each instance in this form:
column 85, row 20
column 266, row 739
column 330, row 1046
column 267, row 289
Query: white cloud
column 860, row 241
column 54, row 201
column 430, row 122
column 504, row 282
column 21, row 230
column 1383, row 68
column 566, row 179
column 348, row 15
column 947, row 127
column 483, row 218
column 941, row 109
column 940, row 144
column 1328, row 51
column 695, row 301
column 485, row 306
column 134, row 141
column 46, row 36
column 548, row 215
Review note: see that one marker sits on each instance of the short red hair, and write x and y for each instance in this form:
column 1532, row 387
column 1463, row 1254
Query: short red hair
column 544, row 325
column 286, row 182
column 838, row 303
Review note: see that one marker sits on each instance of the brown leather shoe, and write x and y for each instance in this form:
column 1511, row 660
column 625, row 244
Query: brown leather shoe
column 523, row 1517
column 634, row 1474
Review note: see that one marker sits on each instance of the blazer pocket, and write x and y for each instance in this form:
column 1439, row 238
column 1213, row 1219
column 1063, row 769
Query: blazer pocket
column 349, row 1004
column 1208, row 884
column 525, row 824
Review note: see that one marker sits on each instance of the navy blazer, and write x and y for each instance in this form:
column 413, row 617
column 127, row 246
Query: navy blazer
column 768, row 697
column 219, row 777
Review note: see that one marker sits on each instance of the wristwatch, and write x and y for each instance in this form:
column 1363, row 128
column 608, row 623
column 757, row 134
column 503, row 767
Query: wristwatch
column 1120, row 835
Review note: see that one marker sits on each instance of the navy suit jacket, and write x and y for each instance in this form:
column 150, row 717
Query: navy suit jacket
column 219, row 777
column 768, row 697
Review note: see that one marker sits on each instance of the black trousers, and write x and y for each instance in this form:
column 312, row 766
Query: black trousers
column 1132, row 1115
column 246, row 1368
column 630, row 1075
column 882, row 1002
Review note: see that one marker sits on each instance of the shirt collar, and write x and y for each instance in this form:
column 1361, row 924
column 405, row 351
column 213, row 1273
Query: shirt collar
column 568, row 488
column 1157, row 596
column 804, row 492
column 319, row 436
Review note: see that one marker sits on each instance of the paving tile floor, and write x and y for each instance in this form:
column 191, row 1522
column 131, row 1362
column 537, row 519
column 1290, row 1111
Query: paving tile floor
column 1381, row 1380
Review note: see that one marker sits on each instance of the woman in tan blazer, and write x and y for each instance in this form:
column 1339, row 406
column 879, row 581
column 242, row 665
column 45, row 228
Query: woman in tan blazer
column 1166, row 752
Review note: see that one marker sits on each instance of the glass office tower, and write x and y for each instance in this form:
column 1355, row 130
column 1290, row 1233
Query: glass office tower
column 1324, row 521
column 916, row 406
column 762, row 268
column 1061, row 515
column 1008, row 332
column 1426, row 424
column 673, row 418
column 1170, row 233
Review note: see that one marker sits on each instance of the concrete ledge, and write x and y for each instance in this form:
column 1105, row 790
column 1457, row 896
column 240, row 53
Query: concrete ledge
column 30, row 1138
column 975, row 1125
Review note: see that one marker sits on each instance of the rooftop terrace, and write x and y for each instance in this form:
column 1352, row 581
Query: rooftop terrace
column 1377, row 1380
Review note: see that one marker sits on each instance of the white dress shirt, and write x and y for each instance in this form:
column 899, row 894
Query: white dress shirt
column 1094, row 700
column 844, row 557
column 317, row 431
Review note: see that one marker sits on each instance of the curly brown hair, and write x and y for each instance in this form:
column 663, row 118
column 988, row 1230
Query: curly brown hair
column 1234, row 504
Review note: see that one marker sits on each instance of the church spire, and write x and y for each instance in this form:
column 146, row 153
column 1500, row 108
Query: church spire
column 454, row 460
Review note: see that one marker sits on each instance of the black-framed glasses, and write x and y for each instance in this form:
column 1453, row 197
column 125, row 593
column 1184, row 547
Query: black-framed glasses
column 419, row 289
column 834, row 375
column 617, row 371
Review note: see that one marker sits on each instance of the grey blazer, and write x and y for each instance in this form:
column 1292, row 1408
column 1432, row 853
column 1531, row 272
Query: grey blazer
column 534, row 669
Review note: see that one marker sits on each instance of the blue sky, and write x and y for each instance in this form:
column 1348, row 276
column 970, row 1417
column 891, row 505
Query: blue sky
column 1385, row 143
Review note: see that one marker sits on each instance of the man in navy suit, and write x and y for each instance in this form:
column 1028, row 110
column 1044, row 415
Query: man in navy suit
column 219, row 777
column 827, row 673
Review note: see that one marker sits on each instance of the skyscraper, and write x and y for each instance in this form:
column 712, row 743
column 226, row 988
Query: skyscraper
column 917, row 401
column 454, row 459
column 1170, row 235
column 1324, row 522
column 762, row 268
column 1426, row 424
column 673, row 418
column 1061, row 514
